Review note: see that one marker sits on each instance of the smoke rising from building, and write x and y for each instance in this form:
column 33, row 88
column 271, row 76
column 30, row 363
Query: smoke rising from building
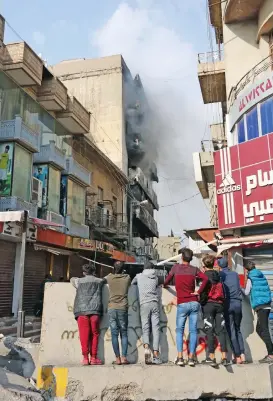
column 168, row 70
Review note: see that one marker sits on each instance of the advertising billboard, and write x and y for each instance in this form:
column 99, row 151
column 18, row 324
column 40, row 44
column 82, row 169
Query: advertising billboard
column 41, row 173
column 244, row 183
column 63, row 196
column 6, row 168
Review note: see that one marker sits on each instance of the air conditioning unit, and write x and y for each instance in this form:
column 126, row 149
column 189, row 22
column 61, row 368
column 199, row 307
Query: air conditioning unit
column 37, row 192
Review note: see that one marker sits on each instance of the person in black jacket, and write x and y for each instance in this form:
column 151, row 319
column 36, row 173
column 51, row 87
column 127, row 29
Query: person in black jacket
column 212, row 301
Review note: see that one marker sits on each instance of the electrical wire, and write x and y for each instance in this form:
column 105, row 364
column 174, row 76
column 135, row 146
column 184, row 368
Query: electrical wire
column 182, row 201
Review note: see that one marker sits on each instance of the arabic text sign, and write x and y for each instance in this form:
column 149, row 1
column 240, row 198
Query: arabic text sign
column 244, row 183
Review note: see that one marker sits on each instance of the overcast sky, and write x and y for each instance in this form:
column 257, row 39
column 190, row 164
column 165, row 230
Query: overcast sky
column 160, row 40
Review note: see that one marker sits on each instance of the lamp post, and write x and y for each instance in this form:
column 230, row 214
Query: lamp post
column 133, row 204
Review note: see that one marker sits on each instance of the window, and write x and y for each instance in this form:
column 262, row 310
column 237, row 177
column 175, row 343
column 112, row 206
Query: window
column 76, row 201
column 100, row 194
column 267, row 116
column 252, row 124
column 241, row 131
column 22, row 173
column 54, row 179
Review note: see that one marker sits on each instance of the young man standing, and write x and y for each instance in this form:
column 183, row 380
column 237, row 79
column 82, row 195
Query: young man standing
column 260, row 298
column 147, row 283
column 233, row 309
column 88, row 310
column 212, row 302
column 187, row 302
column 119, row 284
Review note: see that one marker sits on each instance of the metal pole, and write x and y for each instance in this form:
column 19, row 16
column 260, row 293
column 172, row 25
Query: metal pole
column 131, row 225
column 21, row 313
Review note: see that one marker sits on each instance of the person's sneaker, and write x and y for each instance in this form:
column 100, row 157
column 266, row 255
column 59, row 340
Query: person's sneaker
column 156, row 360
column 147, row 356
column 179, row 362
column 224, row 362
column 210, row 362
column 95, row 361
column 191, row 362
column 267, row 359
column 85, row 361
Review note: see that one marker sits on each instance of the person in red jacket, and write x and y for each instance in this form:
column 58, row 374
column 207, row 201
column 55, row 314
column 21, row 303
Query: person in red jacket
column 187, row 302
column 212, row 302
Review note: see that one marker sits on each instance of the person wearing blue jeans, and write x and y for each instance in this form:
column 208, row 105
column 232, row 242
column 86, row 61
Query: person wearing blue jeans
column 119, row 284
column 187, row 302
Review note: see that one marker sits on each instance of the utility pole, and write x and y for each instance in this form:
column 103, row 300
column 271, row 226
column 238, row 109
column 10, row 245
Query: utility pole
column 21, row 312
column 131, row 216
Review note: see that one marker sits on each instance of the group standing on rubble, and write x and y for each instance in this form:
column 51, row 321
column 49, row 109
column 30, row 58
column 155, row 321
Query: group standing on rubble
column 214, row 294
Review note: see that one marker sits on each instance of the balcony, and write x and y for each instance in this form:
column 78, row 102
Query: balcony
column 2, row 47
column 218, row 136
column 211, row 74
column 17, row 130
column 101, row 219
column 52, row 94
column 76, row 119
column 52, row 155
column 148, row 221
column 203, row 164
column 14, row 203
column 22, row 64
column 78, row 172
column 238, row 10
column 216, row 20
column 76, row 229
column 136, row 176
column 265, row 20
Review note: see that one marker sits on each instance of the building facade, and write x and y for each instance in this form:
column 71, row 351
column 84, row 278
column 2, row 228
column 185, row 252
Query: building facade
column 119, row 126
column 239, row 76
column 50, row 167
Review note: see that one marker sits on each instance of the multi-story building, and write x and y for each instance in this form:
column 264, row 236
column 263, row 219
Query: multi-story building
column 167, row 247
column 50, row 168
column 240, row 172
column 119, row 126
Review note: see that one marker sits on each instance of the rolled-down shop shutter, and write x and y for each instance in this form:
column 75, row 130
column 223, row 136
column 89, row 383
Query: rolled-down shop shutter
column 36, row 266
column 263, row 259
column 7, row 264
column 60, row 263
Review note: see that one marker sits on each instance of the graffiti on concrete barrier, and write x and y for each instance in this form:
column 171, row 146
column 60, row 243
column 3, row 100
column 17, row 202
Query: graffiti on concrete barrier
column 69, row 334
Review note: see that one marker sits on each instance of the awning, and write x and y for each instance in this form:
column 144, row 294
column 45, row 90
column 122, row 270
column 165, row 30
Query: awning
column 55, row 251
column 254, row 241
column 47, row 223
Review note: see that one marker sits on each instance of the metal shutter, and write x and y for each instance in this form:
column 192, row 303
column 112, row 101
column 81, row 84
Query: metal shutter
column 7, row 264
column 76, row 266
column 36, row 264
column 60, row 263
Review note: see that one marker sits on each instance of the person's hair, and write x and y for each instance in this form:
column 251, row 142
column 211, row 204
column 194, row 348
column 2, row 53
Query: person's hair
column 187, row 255
column 180, row 251
column 208, row 261
column 118, row 267
column 249, row 265
column 89, row 269
column 148, row 265
column 7, row 147
column 48, row 276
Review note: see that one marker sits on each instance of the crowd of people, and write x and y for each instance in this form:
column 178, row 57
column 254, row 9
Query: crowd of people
column 213, row 292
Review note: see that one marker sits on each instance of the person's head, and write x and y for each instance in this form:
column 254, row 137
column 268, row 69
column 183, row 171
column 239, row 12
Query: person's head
column 208, row 262
column 148, row 265
column 89, row 269
column 249, row 265
column 186, row 254
column 40, row 170
column 7, row 149
column 118, row 267
column 223, row 263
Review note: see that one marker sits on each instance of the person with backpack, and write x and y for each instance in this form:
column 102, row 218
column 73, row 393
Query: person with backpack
column 187, row 303
column 260, row 298
column 212, row 302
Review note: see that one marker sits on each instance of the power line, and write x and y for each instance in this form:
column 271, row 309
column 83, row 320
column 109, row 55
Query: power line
column 183, row 200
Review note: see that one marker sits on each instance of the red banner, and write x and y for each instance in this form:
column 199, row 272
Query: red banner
column 244, row 183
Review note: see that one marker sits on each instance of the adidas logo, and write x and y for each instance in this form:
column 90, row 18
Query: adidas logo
column 228, row 185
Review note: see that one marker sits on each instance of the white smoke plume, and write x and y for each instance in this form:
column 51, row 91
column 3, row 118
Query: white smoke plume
column 167, row 65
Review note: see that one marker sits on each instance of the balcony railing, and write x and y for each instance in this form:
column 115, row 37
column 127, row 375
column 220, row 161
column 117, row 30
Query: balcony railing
column 137, row 176
column 76, row 229
column 107, row 222
column 76, row 119
column 23, row 64
column 251, row 76
column 144, row 216
column 52, row 94
column 77, row 171
column 51, row 154
column 15, row 203
column 210, row 57
column 18, row 131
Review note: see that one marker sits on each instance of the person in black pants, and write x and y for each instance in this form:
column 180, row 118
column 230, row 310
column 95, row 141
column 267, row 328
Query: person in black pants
column 233, row 309
column 212, row 301
column 260, row 298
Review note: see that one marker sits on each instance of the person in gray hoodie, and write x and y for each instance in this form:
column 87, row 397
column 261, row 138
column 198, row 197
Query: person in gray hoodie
column 147, row 283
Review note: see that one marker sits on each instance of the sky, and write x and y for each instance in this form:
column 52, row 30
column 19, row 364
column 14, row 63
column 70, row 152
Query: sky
column 160, row 40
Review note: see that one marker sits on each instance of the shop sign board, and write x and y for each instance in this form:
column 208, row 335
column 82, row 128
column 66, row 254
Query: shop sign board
column 244, row 183
column 93, row 245
column 13, row 230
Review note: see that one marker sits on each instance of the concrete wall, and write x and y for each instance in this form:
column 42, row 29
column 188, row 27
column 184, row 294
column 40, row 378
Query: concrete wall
column 167, row 246
column 98, row 85
column 241, row 50
column 60, row 344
